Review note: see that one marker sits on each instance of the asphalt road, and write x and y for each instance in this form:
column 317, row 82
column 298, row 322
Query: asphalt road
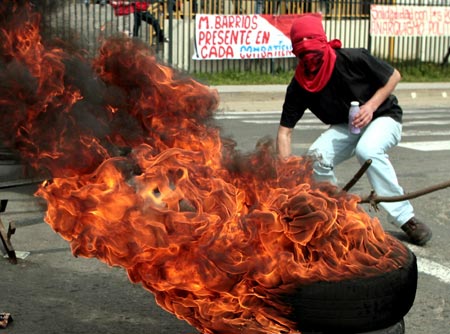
column 50, row 291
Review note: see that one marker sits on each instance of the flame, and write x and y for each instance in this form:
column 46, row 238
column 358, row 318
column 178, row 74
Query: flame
column 139, row 177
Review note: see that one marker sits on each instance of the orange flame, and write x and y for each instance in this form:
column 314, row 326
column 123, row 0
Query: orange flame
column 140, row 178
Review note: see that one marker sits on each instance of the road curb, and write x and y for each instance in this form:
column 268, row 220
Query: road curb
column 271, row 97
column 409, row 86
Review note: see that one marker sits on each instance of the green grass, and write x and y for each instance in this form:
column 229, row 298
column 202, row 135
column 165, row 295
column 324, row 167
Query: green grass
column 244, row 78
column 422, row 73
column 425, row 73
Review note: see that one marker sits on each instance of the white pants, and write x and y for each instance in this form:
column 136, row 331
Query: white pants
column 336, row 145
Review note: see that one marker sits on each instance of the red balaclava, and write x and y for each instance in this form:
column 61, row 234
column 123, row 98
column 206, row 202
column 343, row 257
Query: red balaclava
column 315, row 54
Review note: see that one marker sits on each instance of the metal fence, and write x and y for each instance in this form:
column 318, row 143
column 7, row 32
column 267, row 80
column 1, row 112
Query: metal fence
column 89, row 22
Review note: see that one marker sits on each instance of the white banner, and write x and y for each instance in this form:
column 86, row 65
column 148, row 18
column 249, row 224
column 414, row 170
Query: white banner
column 242, row 36
column 409, row 20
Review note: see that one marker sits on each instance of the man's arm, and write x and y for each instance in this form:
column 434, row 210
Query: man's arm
column 284, row 142
column 367, row 109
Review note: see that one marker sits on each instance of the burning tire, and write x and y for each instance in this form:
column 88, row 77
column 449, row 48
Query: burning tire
column 356, row 305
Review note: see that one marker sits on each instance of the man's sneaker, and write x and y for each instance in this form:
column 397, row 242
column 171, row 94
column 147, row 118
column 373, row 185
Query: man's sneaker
column 418, row 232
column 162, row 40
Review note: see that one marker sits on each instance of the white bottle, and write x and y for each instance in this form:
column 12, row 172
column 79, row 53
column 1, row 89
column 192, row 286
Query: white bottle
column 354, row 109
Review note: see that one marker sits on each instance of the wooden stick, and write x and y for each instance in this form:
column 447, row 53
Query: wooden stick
column 373, row 199
column 358, row 175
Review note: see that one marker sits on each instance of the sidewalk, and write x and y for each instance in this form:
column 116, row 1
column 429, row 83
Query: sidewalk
column 270, row 97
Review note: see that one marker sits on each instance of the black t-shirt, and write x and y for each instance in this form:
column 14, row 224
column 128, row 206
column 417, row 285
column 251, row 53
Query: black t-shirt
column 357, row 75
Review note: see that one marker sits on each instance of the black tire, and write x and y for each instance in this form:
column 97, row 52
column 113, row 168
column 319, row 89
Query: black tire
column 356, row 305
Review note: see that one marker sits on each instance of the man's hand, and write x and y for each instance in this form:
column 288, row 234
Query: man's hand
column 364, row 117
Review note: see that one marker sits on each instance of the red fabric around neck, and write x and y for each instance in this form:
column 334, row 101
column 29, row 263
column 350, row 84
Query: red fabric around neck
column 316, row 55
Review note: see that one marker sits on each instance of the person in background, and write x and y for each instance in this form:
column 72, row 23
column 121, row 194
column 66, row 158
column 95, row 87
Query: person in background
column 327, row 78
column 142, row 11
column 87, row 2
column 259, row 7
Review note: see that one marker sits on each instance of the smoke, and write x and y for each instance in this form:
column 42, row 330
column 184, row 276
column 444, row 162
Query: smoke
column 58, row 105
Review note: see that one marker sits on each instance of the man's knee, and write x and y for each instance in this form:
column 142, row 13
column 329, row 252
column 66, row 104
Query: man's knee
column 364, row 153
column 323, row 166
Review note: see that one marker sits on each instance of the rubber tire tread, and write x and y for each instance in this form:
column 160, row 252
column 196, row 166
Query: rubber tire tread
column 355, row 305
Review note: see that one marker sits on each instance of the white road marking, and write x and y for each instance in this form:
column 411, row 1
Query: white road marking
column 434, row 269
column 438, row 145
column 310, row 122
column 416, row 133
column 306, row 123
column 425, row 111
column 429, row 267
column 245, row 114
column 266, row 121
column 277, row 113
column 427, row 116
column 426, row 122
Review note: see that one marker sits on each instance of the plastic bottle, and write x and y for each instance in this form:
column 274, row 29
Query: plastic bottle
column 354, row 109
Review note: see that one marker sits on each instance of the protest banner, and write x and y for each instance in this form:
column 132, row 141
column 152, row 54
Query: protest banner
column 396, row 20
column 242, row 36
